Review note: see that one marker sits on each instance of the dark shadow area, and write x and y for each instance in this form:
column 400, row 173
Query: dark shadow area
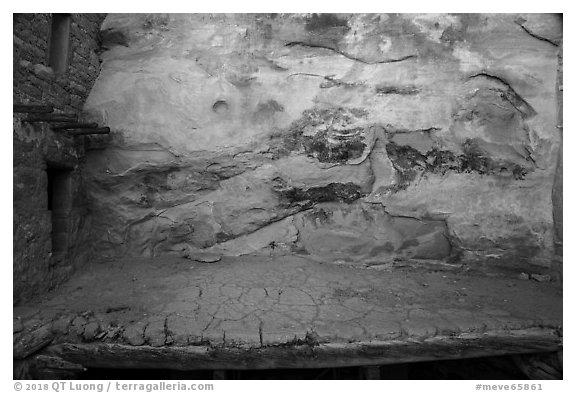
column 59, row 204
column 495, row 368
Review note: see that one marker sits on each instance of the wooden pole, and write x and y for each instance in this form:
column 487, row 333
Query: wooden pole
column 370, row 353
column 52, row 118
column 73, row 126
column 89, row 131
column 30, row 108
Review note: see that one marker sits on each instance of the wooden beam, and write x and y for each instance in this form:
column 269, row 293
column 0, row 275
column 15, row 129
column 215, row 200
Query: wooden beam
column 31, row 342
column 89, row 131
column 30, row 108
column 52, row 118
column 74, row 126
column 103, row 355
column 46, row 367
column 55, row 362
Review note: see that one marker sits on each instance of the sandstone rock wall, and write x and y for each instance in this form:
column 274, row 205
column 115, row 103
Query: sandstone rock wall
column 362, row 138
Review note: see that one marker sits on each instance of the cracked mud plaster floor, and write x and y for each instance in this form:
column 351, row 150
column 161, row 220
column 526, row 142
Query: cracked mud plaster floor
column 260, row 301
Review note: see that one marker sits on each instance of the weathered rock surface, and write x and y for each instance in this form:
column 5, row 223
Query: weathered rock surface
column 367, row 233
column 354, row 137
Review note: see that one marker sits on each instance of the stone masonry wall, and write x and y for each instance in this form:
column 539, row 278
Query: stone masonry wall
column 557, row 191
column 36, row 148
column 355, row 138
column 34, row 81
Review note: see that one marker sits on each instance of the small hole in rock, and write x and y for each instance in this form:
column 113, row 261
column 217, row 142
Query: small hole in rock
column 220, row 106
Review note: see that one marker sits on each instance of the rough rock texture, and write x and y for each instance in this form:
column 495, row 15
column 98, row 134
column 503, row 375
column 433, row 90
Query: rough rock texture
column 366, row 233
column 48, row 188
column 349, row 137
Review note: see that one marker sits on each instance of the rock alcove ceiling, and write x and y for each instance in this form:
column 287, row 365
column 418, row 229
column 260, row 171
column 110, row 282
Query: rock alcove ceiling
column 359, row 138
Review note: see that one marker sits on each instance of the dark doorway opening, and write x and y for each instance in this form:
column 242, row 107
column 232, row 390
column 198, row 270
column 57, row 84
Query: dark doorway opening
column 59, row 204
column 507, row 367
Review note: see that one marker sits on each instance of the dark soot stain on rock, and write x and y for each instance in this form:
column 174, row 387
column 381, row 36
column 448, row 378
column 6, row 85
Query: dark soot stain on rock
column 333, row 192
column 409, row 162
column 319, row 147
column 328, row 144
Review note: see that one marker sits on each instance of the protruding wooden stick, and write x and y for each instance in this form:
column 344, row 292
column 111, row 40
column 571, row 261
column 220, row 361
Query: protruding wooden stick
column 52, row 118
column 31, row 108
column 89, row 131
column 73, row 126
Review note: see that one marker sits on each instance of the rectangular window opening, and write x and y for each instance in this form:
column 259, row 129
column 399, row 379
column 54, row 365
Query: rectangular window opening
column 59, row 42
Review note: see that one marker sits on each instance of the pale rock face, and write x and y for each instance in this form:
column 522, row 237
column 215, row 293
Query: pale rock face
column 363, row 138
column 365, row 233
